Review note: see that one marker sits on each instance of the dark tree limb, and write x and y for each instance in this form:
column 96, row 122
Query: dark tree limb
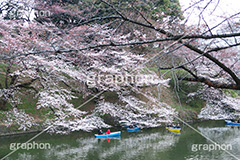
column 189, row 71
column 7, row 74
column 211, row 83
column 217, row 62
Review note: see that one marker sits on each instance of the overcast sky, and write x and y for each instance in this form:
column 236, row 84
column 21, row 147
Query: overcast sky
column 224, row 9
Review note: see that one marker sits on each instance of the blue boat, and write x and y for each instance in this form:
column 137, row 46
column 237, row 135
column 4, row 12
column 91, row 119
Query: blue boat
column 113, row 134
column 232, row 123
column 115, row 137
column 133, row 129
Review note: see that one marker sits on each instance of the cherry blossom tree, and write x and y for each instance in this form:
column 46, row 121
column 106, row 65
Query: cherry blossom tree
column 53, row 63
column 59, row 48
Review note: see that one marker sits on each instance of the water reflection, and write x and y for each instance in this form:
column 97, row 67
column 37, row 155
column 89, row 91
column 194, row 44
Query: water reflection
column 125, row 148
column 108, row 139
column 174, row 133
column 226, row 136
column 149, row 144
column 140, row 146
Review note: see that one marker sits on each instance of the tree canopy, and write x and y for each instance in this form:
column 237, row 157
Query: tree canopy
column 54, row 50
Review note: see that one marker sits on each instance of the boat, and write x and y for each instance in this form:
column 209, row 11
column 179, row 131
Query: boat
column 176, row 130
column 232, row 123
column 133, row 129
column 113, row 134
column 103, row 138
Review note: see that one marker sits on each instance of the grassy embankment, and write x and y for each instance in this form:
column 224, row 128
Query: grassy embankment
column 175, row 96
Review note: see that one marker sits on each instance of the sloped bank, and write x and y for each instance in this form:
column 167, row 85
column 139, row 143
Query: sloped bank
column 220, row 105
column 14, row 130
column 123, row 108
column 130, row 110
column 226, row 108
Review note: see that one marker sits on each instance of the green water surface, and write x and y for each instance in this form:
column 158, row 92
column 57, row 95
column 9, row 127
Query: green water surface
column 148, row 144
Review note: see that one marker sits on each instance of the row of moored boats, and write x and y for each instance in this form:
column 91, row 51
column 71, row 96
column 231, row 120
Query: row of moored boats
column 175, row 129
column 133, row 129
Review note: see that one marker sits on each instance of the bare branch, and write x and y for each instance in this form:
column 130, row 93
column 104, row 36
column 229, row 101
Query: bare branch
column 211, row 83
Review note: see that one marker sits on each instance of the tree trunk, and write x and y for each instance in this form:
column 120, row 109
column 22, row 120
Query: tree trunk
column 3, row 103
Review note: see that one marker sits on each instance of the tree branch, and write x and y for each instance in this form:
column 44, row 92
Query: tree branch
column 211, row 83
column 216, row 61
